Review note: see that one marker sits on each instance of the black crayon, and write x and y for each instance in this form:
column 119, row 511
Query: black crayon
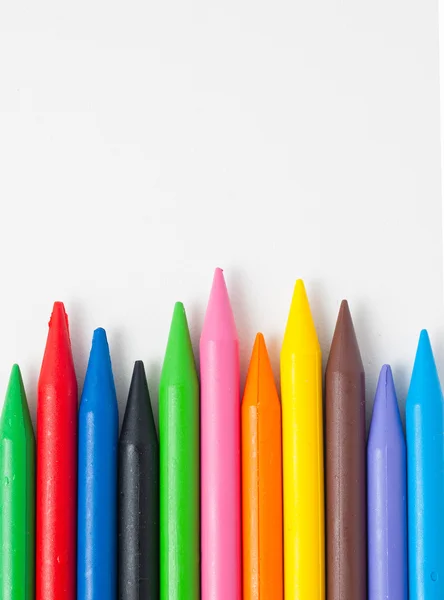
column 139, row 568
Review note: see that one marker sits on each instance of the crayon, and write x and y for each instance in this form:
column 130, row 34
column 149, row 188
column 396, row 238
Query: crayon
column 425, row 480
column 56, row 507
column 303, row 463
column 17, row 494
column 97, row 478
column 346, row 502
column 179, row 466
column 138, row 495
column 262, row 541
column 220, row 449
column 386, row 496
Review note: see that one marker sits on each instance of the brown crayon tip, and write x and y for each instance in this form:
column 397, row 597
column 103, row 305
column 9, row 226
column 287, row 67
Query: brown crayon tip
column 344, row 352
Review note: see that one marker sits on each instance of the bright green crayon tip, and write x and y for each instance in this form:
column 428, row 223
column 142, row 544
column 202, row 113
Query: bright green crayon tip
column 178, row 365
column 15, row 423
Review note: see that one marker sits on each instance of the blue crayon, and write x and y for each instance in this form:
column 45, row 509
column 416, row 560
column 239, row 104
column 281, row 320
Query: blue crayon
column 97, row 478
column 425, row 468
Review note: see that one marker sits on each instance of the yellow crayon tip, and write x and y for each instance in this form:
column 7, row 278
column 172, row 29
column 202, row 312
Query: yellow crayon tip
column 300, row 334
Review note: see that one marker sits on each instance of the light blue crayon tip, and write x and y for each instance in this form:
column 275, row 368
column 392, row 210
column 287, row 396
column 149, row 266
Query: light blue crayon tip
column 425, row 381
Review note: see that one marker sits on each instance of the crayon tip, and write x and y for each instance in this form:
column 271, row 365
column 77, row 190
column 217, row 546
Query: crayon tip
column 219, row 321
column 300, row 332
column 386, row 419
column 57, row 360
column 138, row 422
column 344, row 353
column 59, row 318
column 179, row 358
column 99, row 372
column 260, row 387
column 424, row 384
column 15, row 411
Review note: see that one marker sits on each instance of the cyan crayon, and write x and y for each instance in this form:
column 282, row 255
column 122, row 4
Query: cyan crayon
column 97, row 478
column 425, row 468
column 386, row 496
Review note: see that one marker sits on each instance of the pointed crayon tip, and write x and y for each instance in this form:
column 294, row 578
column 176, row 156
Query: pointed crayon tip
column 15, row 414
column 179, row 362
column 424, row 384
column 57, row 361
column 386, row 419
column 300, row 333
column 138, row 422
column 59, row 318
column 344, row 352
column 219, row 321
column 260, row 387
column 99, row 380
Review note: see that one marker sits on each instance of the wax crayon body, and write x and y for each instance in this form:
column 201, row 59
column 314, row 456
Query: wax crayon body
column 17, row 495
column 138, row 495
column 386, row 496
column 97, row 478
column 425, row 468
column 303, row 469
column 220, row 449
column 56, row 509
column 179, row 466
column 346, row 502
column 261, row 481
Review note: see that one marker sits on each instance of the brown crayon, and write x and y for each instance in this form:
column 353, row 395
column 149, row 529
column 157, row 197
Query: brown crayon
column 346, row 541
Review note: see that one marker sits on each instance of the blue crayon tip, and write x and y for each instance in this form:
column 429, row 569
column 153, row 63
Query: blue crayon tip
column 99, row 372
column 386, row 419
column 424, row 383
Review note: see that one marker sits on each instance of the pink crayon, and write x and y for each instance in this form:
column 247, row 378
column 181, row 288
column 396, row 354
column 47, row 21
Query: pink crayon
column 220, row 449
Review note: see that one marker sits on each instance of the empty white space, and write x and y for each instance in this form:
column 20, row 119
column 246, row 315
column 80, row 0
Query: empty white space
column 144, row 143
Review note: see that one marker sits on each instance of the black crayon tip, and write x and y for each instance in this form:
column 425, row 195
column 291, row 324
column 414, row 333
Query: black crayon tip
column 138, row 423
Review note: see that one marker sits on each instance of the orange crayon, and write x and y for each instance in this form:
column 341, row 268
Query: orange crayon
column 261, row 481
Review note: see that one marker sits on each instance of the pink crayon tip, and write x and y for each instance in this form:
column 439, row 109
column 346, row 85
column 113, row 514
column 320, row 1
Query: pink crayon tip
column 219, row 321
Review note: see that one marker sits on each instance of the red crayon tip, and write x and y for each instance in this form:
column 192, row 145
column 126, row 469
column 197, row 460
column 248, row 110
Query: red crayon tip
column 58, row 357
column 56, row 465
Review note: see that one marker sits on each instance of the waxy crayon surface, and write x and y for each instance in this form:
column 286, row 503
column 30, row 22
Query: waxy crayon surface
column 386, row 496
column 220, row 449
column 425, row 468
column 303, row 457
column 179, row 466
column 346, row 501
column 97, row 478
column 138, row 495
column 262, row 540
column 56, row 508
column 17, row 494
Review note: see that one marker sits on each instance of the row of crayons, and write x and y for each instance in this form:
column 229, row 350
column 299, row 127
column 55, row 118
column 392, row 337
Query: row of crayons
column 231, row 503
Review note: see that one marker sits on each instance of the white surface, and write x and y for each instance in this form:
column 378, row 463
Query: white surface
column 143, row 144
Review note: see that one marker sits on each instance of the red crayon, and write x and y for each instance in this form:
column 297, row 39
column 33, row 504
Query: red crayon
column 56, row 465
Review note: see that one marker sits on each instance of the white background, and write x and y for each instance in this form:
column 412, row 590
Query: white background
column 144, row 143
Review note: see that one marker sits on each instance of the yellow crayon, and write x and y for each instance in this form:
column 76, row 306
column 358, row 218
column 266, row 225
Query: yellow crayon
column 303, row 459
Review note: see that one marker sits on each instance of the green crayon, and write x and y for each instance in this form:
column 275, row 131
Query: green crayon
column 17, row 494
column 179, row 466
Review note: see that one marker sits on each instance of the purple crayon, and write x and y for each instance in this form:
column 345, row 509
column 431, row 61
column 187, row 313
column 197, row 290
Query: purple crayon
column 386, row 496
